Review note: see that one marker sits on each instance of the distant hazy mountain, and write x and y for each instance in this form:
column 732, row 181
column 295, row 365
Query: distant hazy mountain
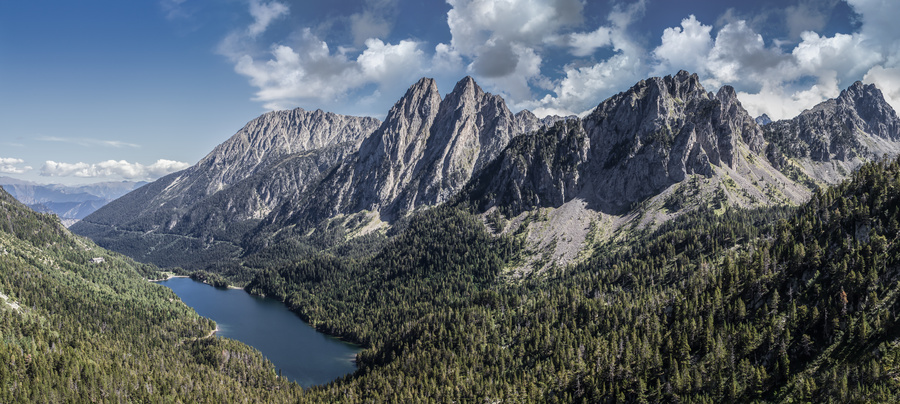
column 70, row 203
column 763, row 119
column 664, row 147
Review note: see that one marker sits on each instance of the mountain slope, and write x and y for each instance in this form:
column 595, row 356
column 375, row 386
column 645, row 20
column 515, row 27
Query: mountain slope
column 644, row 156
column 836, row 136
column 285, row 169
column 426, row 150
column 76, row 331
column 664, row 147
column 773, row 304
column 725, row 304
column 209, row 206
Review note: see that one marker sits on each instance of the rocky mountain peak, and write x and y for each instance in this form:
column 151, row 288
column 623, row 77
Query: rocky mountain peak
column 274, row 135
column 426, row 150
column 735, row 121
column 406, row 127
column 466, row 90
column 683, row 83
column 419, row 99
column 876, row 116
column 661, row 130
column 298, row 169
column 858, row 124
column 471, row 129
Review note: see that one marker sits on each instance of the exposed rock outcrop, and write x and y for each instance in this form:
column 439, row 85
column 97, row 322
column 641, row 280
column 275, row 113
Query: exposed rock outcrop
column 837, row 135
column 266, row 164
column 541, row 169
column 662, row 147
column 659, row 132
column 426, row 150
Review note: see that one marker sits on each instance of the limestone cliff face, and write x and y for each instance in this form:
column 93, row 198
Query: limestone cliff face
column 540, row 169
column 266, row 139
column 258, row 168
column 470, row 130
column 390, row 158
column 660, row 131
column 665, row 144
column 634, row 146
column 835, row 137
column 857, row 124
column 426, row 150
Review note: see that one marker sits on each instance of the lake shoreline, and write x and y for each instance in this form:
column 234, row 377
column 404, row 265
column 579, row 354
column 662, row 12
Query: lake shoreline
column 168, row 276
column 186, row 276
column 307, row 355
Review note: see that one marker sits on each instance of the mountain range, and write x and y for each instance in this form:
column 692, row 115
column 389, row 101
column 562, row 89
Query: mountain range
column 666, row 247
column 663, row 147
column 70, row 203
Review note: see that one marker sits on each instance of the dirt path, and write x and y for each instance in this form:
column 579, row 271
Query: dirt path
column 211, row 333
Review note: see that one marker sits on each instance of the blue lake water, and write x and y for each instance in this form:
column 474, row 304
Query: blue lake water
column 302, row 354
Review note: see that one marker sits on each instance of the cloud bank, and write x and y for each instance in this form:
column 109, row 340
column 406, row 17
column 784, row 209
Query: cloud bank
column 513, row 48
column 113, row 169
column 9, row 165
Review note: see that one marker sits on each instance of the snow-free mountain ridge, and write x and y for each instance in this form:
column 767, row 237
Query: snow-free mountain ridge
column 663, row 147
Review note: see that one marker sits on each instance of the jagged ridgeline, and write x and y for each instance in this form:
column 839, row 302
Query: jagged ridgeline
column 76, row 331
column 748, row 305
column 294, row 182
column 481, row 255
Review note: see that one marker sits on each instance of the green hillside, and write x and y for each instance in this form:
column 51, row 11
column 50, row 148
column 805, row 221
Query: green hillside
column 76, row 331
column 774, row 304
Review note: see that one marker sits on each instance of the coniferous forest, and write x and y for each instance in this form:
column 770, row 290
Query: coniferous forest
column 775, row 304
column 771, row 304
column 72, row 330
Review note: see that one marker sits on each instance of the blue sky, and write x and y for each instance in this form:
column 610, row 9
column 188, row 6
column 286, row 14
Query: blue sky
column 100, row 90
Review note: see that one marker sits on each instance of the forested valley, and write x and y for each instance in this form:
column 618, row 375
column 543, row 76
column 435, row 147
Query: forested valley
column 771, row 304
column 73, row 330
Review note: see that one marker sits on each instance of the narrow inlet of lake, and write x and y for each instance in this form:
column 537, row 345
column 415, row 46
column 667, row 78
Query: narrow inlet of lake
column 303, row 354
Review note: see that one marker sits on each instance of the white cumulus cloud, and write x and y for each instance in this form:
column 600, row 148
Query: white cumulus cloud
column 681, row 46
column 310, row 71
column 585, row 86
column 307, row 70
column 780, row 80
column 474, row 23
column 514, row 48
column 10, row 165
column 112, row 169
column 888, row 81
column 263, row 15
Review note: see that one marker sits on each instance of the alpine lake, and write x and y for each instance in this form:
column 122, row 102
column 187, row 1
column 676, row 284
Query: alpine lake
column 298, row 351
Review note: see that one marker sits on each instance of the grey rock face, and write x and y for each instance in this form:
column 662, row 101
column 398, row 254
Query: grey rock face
column 540, row 169
column 273, row 135
column 657, row 133
column 631, row 147
column 471, row 129
column 426, row 150
column 287, row 172
column 873, row 115
column 257, row 158
column 392, row 156
column 859, row 123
